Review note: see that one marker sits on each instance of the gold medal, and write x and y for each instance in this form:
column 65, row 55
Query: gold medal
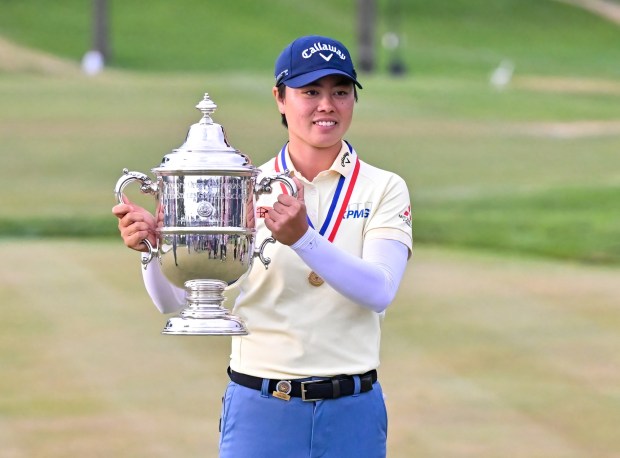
column 315, row 280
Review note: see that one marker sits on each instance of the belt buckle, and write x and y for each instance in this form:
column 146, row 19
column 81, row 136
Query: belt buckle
column 304, row 391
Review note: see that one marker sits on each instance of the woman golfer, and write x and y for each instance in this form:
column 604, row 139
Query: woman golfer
column 304, row 380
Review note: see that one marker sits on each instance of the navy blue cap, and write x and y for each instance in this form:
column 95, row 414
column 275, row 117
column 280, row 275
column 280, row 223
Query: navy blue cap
column 309, row 58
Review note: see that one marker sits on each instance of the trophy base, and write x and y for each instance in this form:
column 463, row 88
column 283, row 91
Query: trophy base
column 216, row 326
column 204, row 314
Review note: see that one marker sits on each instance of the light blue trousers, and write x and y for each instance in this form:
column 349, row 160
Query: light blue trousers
column 254, row 424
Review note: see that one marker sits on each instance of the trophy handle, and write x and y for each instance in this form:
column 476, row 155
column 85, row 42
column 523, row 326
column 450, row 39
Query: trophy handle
column 148, row 187
column 264, row 186
column 266, row 261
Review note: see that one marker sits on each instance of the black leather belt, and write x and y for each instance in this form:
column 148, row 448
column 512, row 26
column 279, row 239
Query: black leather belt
column 309, row 390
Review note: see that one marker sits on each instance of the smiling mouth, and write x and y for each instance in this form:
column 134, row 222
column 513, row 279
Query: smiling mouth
column 325, row 123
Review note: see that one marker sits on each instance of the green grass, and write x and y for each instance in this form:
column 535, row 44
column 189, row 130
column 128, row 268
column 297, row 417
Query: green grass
column 509, row 170
column 479, row 352
column 562, row 223
column 528, row 336
column 485, row 169
column 486, row 352
column 440, row 37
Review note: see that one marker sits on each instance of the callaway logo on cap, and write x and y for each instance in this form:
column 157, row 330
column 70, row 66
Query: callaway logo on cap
column 309, row 58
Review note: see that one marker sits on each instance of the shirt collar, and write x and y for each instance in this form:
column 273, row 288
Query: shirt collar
column 345, row 161
column 343, row 164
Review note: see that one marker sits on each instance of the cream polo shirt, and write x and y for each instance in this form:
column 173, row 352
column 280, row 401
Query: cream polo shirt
column 298, row 330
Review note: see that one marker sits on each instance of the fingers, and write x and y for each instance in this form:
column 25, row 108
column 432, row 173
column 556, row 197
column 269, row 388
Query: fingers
column 135, row 224
column 288, row 205
column 137, row 213
column 135, row 239
column 287, row 219
column 121, row 210
column 300, row 189
column 132, row 218
column 134, row 232
column 122, row 207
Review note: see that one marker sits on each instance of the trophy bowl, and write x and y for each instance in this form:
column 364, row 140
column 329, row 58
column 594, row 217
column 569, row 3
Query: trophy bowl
column 206, row 223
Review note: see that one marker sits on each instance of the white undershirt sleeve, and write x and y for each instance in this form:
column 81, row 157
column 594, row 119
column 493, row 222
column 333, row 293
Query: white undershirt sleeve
column 166, row 297
column 371, row 281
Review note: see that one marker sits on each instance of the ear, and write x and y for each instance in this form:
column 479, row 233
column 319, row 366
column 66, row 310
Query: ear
column 279, row 101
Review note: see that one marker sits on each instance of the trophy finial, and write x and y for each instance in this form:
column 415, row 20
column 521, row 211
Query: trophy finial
column 206, row 107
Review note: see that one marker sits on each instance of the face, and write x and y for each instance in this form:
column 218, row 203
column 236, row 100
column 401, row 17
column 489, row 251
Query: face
column 318, row 115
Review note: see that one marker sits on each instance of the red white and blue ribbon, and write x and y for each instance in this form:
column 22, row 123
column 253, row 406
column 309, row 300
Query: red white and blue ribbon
column 341, row 198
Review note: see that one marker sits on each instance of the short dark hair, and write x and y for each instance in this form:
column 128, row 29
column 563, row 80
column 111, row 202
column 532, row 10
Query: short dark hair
column 282, row 91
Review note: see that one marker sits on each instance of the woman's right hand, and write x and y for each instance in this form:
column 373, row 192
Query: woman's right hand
column 135, row 224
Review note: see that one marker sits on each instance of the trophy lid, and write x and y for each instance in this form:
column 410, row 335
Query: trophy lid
column 206, row 149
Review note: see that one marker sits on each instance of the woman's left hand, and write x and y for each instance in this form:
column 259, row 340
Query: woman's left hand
column 287, row 220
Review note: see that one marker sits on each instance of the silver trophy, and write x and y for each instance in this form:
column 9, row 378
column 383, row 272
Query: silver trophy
column 205, row 193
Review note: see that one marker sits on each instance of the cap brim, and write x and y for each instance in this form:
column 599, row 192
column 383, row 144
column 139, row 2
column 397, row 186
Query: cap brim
column 307, row 78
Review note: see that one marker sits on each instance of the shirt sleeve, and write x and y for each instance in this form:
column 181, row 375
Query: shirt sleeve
column 392, row 218
column 371, row 281
column 167, row 297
